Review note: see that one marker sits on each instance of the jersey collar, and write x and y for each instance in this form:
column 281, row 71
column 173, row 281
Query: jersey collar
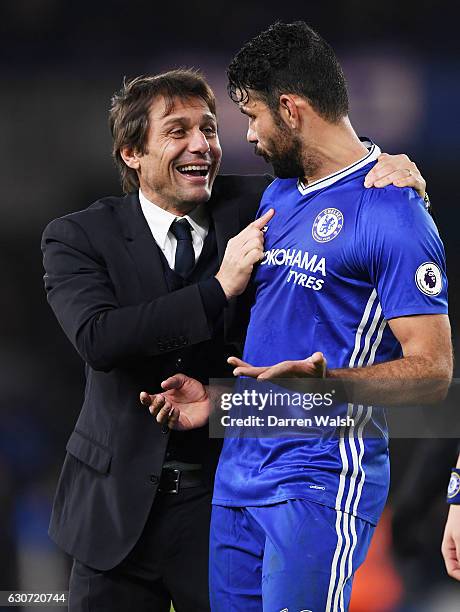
column 372, row 155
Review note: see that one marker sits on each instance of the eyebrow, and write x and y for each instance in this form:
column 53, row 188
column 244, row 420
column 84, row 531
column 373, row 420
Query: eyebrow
column 185, row 120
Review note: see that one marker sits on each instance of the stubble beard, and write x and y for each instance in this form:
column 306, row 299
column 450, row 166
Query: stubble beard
column 289, row 156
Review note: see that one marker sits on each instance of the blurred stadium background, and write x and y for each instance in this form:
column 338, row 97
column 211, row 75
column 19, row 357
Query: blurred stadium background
column 60, row 63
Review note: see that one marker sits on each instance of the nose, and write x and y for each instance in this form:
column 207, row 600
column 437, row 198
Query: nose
column 251, row 136
column 198, row 142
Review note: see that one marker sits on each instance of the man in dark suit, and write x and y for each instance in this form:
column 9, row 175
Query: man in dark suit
column 145, row 286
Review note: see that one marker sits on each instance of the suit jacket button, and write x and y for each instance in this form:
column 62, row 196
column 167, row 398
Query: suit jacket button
column 154, row 479
column 179, row 362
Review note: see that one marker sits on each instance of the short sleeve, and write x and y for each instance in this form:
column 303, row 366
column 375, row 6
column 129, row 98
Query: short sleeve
column 399, row 245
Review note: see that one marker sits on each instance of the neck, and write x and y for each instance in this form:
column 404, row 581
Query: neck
column 332, row 148
column 177, row 210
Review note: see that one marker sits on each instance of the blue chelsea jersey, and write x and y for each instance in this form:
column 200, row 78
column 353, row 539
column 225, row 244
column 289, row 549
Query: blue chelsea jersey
column 340, row 261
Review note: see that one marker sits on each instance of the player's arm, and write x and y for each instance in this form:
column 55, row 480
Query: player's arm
column 450, row 547
column 399, row 247
column 396, row 170
column 422, row 375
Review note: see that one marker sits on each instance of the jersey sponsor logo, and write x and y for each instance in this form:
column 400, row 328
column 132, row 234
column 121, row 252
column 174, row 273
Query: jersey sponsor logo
column 327, row 225
column 428, row 278
column 300, row 259
column 295, row 257
column 304, row 280
column 454, row 485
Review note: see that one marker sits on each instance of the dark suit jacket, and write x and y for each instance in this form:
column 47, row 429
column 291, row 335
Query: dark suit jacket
column 105, row 283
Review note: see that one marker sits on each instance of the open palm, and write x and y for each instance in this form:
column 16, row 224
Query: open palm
column 314, row 366
column 184, row 403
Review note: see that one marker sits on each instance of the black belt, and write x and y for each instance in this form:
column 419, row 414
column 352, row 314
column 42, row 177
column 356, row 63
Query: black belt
column 173, row 480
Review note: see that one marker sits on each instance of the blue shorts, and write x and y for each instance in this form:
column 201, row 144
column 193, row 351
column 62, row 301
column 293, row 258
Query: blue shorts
column 294, row 556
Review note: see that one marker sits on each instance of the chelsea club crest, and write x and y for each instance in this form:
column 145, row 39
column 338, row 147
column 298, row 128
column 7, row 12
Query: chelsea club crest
column 327, row 225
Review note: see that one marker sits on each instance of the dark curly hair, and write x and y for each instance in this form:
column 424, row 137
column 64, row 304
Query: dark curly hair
column 290, row 58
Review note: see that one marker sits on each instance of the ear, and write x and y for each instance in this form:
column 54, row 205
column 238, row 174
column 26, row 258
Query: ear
column 131, row 157
column 289, row 110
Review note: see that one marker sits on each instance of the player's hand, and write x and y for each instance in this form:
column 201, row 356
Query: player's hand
column 243, row 251
column 398, row 170
column 314, row 366
column 184, row 404
column 451, row 542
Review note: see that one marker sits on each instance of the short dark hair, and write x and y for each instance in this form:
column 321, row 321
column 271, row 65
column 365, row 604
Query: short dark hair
column 129, row 111
column 290, row 58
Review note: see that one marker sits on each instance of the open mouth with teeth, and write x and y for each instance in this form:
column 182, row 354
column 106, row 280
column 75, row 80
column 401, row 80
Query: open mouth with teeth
column 201, row 170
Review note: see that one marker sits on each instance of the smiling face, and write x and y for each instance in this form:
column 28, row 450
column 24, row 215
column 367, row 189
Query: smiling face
column 182, row 155
column 273, row 140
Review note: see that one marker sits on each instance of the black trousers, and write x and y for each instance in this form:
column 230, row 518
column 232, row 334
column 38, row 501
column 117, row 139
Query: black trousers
column 168, row 564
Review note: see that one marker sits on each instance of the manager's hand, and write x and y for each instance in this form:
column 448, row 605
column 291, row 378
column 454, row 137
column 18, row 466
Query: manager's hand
column 243, row 251
column 451, row 542
column 314, row 366
column 184, row 403
column 396, row 170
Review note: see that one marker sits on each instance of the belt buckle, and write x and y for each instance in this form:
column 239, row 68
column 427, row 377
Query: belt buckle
column 176, row 481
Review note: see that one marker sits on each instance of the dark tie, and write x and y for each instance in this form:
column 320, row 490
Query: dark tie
column 185, row 255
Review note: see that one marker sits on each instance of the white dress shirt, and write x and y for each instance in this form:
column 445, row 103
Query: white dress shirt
column 160, row 220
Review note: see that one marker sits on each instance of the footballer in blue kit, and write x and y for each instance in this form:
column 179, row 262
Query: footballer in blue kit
column 338, row 265
column 356, row 273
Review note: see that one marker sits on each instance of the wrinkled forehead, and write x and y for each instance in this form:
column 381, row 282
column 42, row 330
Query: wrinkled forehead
column 165, row 107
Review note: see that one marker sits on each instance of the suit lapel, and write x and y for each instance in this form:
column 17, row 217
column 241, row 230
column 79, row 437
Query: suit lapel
column 142, row 247
column 226, row 223
column 225, row 214
column 144, row 251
